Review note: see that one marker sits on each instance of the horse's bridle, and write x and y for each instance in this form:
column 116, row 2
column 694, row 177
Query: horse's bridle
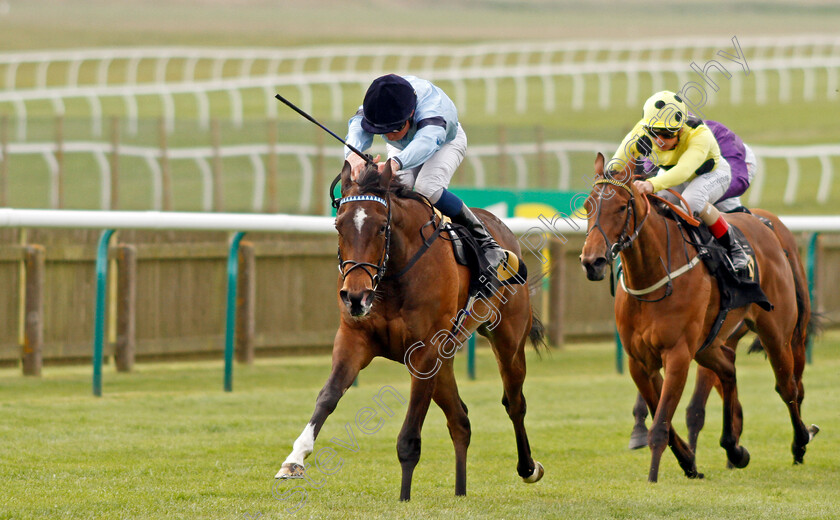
column 378, row 269
column 625, row 239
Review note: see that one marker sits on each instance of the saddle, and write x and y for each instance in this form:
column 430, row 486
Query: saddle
column 468, row 253
column 735, row 290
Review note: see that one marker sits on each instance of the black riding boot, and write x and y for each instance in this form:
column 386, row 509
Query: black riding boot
column 737, row 255
column 494, row 254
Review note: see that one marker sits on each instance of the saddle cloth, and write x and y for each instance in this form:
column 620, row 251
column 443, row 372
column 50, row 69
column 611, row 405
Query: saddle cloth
column 735, row 290
column 468, row 253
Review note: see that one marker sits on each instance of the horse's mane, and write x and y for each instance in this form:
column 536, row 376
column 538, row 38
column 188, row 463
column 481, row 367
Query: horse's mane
column 368, row 183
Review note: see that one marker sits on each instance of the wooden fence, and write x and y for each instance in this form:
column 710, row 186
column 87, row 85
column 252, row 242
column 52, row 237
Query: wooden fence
column 179, row 283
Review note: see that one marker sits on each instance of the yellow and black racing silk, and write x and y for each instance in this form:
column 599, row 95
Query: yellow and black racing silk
column 697, row 152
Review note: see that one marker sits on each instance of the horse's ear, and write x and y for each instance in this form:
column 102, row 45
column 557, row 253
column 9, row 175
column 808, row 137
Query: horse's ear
column 599, row 164
column 345, row 177
column 386, row 176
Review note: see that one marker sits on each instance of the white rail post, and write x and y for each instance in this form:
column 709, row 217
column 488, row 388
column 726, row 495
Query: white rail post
column 792, row 180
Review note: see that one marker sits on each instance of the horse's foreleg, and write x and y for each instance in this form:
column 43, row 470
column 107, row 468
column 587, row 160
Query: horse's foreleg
column 347, row 362
column 408, row 441
column 675, row 361
column 721, row 360
column 446, row 396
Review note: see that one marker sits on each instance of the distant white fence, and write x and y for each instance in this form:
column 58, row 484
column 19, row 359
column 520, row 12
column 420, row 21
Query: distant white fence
column 817, row 58
column 307, row 155
column 182, row 63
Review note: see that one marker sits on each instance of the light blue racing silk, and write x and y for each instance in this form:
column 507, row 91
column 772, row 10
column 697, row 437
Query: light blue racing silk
column 435, row 123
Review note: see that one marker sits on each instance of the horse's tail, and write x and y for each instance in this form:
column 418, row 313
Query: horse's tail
column 537, row 332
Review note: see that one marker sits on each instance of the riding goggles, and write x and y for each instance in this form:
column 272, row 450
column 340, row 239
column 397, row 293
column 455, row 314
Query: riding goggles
column 663, row 133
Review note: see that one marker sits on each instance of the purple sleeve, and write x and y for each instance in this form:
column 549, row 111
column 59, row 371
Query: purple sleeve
column 732, row 149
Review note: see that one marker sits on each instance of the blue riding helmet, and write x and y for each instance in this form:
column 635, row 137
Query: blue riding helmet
column 388, row 104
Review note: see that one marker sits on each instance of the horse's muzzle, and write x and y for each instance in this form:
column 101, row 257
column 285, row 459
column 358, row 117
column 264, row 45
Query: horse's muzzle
column 595, row 267
column 359, row 303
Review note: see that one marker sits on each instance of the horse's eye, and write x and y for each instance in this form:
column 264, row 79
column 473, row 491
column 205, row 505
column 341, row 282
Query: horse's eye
column 622, row 208
column 382, row 230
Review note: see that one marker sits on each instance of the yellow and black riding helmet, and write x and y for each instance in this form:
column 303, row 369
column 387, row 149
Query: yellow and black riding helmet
column 664, row 112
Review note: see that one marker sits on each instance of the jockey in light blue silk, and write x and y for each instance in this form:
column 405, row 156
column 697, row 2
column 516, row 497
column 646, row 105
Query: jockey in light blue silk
column 425, row 144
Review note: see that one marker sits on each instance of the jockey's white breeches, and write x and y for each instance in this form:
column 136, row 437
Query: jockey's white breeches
column 704, row 188
column 433, row 176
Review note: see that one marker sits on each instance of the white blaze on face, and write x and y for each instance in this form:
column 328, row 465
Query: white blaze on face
column 303, row 446
column 359, row 219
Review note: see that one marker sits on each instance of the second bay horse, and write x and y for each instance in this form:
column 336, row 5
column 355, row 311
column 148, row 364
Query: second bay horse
column 665, row 329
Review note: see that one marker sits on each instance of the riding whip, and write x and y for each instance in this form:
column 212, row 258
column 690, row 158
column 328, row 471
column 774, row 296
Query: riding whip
column 368, row 159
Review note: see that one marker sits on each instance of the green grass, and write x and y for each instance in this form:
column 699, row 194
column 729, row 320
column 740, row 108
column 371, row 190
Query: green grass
column 44, row 24
column 166, row 442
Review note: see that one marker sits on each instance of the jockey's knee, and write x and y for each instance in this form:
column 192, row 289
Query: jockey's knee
column 431, row 190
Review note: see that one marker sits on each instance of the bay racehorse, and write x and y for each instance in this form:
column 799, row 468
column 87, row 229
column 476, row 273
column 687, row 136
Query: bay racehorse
column 666, row 328
column 399, row 294
column 806, row 325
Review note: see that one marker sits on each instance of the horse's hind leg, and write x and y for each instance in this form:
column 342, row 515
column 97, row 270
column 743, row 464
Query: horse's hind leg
column 695, row 412
column 446, row 396
column 510, row 356
column 721, row 360
column 408, row 440
column 781, row 357
column 638, row 438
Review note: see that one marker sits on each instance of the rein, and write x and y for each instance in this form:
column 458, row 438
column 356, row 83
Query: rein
column 685, row 215
column 381, row 267
column 427, row 243
column 625, row 240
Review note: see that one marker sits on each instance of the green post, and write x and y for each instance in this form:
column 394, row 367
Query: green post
column 811, row 262
column 619, row 350
column 619, row 354
column 99, row 314
column 471, row 357
column 230, row 318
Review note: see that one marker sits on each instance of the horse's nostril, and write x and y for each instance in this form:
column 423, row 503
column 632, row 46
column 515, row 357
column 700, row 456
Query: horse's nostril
column 358, row 303
column 599, row 262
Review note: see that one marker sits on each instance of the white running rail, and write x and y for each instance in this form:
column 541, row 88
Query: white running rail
column 307, row 156
column 773, row 63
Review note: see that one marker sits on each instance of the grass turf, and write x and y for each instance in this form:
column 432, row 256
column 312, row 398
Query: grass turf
column 166, row 442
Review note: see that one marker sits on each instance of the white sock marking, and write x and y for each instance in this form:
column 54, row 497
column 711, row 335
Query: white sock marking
column 303, row 446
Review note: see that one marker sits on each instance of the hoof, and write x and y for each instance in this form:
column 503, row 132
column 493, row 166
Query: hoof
column 741, row 459
column 696, row 475
column 536, row 475
column 638, row 439
column 813, row 430
column 799, row 451
column 290, row 470
column 798, row 455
